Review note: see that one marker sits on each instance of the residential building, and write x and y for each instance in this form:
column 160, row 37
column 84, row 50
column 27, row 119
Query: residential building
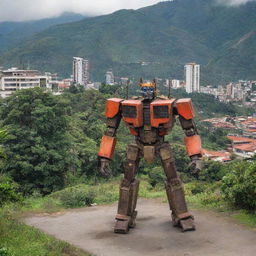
column 15, row 79
column 110, row 79
column 230, row 89
column 192, row 73
column 124, row 80
column 243, row 146
column 245, row 150
column 219, row 156
column 81, row 75
column 176, row 84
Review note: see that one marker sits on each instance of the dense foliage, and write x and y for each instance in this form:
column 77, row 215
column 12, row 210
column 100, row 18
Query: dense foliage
column 239, row 185
column 38, row 147
column 8, row 190
column 52, row 141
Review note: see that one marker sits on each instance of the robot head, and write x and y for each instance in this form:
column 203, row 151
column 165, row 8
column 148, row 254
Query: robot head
column 148, row 89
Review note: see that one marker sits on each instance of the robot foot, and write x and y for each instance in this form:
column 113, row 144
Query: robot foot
column 121, row 226
column 187, row 224
column 124, row 223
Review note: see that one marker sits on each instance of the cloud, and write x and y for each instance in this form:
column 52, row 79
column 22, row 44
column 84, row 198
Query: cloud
column 20, row 10
column 234, row 2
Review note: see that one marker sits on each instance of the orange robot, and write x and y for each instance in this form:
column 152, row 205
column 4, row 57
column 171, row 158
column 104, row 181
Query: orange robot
column 149, row 119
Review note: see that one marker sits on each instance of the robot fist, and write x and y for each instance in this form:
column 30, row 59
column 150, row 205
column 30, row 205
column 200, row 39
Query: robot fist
column 196, row 165
column 104, row 167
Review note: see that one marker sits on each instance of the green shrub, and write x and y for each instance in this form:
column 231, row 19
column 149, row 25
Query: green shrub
column 194, row 188
column 77, row 196
column 209, row 198
column 156, row 176
column 8, row 191
column 5, row 252
column 239, row 186
column 212, row 171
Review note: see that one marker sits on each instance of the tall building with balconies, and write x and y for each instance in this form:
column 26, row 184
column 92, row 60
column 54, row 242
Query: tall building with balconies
column 192, row 73
column 81, row 75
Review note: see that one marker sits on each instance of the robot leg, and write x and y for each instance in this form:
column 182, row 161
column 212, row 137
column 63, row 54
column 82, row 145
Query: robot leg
column 128, row 194
column 175, row 193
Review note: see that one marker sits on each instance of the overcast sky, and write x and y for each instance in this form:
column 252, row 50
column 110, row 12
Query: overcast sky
column 20, row 10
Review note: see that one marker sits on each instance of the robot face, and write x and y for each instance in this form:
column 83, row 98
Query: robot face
column 148, row 92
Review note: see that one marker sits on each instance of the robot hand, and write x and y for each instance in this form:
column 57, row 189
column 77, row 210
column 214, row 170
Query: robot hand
column 196, row 165
column 104, row 166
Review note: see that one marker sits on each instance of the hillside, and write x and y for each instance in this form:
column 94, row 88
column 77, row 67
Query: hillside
column 165, row 36
column 11, row 33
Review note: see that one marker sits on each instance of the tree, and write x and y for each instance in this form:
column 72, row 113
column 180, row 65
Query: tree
column 38, row 145
column 212, row 171
column 239, row 185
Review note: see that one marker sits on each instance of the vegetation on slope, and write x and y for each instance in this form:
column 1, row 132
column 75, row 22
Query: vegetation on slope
column 12, row 33
column 166, row 36
column 49, row 162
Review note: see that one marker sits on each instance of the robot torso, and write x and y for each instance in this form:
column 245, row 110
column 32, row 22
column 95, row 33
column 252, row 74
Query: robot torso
column 148, row 120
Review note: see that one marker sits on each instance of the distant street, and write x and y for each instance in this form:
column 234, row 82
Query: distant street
column 91, row 229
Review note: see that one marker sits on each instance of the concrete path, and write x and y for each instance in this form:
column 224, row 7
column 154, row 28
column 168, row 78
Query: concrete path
column 91, row 229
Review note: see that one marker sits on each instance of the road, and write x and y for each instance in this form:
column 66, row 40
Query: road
column 91, row 229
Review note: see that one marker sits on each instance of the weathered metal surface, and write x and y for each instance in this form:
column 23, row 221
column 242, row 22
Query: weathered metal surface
column 150, row 120
column 149, row 153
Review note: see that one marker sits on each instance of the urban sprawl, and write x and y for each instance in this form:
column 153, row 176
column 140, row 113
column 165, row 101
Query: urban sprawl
column 243, row 136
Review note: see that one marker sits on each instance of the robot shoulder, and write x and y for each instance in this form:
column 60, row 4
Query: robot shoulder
column 185, row 108
column 113, row 107
column 162, row 97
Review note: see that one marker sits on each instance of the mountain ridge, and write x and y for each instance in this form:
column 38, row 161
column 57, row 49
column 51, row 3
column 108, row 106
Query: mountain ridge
column 12, row 33
column 165, row 36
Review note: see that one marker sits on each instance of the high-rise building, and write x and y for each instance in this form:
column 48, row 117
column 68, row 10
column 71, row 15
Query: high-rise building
column 81, row 74
column 192, row 72
column 230, row 89
column 110, row 79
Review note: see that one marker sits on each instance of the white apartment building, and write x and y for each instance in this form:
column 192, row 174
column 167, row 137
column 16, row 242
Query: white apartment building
column 14, row 79
column 192, row 73
column 110, row 79
column 81, row 74
column 176, row 84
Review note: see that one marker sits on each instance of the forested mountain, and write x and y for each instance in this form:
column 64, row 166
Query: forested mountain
column 11, row 33
column 153, row 41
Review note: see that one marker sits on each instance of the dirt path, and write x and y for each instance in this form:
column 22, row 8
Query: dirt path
column 91, row 229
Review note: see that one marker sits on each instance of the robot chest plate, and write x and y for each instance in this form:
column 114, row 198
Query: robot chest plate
column 138, row 114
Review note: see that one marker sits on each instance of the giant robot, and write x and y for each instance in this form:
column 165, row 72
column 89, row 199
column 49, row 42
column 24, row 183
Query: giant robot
column 149, row 119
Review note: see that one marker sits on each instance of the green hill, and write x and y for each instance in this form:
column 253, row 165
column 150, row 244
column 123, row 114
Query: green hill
column 11, row 33
column 153, row 41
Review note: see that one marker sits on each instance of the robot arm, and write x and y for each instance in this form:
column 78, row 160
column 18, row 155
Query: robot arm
column 108, row 142
column 192, row 140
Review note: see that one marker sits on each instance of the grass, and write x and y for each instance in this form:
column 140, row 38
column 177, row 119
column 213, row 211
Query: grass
column 17, row 239
column 199, row 195
column 245, row 217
